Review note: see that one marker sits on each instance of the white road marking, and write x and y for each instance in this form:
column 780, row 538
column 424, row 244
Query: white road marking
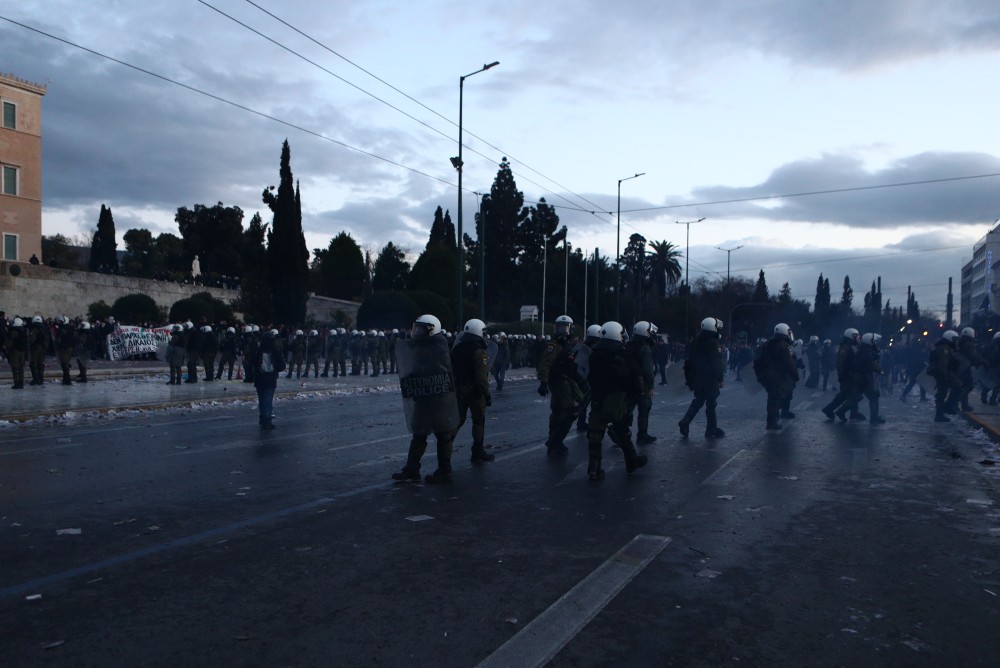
column 542, row 638
column 732, row 468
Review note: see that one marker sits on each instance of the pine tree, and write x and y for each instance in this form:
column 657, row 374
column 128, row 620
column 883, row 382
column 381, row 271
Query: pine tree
column 503, row 212
column 340, row 268
column 391, row 269
column 760, row 293
column 255, row 287
column 442, row 231
column 103, row 248
column 288, row 257
column 847, row 298
column 785, row 295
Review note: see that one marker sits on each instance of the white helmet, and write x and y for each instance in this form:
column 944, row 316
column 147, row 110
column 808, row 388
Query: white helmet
column 476, row 327
column 361, row 333
column 230, row 330
column 86, row 325
column 644, row 328
column 851, row 333
column 341, row 330
column 950, row 336
column 64, row 320
column 564, row 325
column 188, row 325
column 247, row 329
column 711, row 324
column 381, row 334
column 996, row 337
column 17, row 322
column 594, row 331
column 781, row 329
column 175, row 328
column 613, row 331
column 273, row 332
column 313, row 332
column 256, row 328
column 36, row 320
column 870, row 339
column 395, row 331
column 813, row 339
column 299, row 332
column 969, row 332
column 206, row 328
column 426, row 325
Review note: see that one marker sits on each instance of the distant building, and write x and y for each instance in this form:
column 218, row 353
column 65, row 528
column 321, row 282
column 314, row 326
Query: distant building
column 979, row 276
column 20, row 168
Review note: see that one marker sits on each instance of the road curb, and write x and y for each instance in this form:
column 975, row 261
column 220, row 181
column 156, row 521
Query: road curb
column 991, row 430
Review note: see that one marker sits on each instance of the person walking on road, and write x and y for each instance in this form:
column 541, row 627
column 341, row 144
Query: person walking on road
column 615, row 380
column 426, row 382
column 268, row 362
column 84, row 350
column 866, row 370
column 557, row 375
column 842, row 401
column 943, row 368
column 704, row 373
column 640, row 346
column 470, row 362
column 777, row 370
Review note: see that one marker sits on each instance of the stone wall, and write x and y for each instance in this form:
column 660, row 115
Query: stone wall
column 47, row 291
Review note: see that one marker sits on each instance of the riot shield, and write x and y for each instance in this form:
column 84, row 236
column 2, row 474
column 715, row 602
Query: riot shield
column 427, row 384
column 581, row 355
column 491, row 353
column 750, row 382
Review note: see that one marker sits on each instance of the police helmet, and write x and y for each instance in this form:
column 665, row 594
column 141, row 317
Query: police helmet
column 36, row 320
column 381, row 334
column 868, row 339
column 711, row 325
column 851, row 333
column 64, row 320
column 476, row 327
column 206, row 329
column 256, row 328
column 313, row 332
column 813, row 339
column 273, row 332
column 175, row 328
column 968, row 332
column 612, row 331
column 84, row 325
column 594, row 331
column 188, row 325
column 395, row 331
column 17, row 322
column 827, row 342
column 341, row 330
column 426, row 325
column 564, row 324
column 950, row 336
column 644, row 328
column 230, row 330
column 781, row 329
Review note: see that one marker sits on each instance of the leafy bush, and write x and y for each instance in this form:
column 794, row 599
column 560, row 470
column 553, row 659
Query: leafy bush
column 135, row 309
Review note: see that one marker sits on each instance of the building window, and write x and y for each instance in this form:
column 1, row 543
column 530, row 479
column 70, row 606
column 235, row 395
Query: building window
column 10, row 115
column 9, row 180
column 10, row 246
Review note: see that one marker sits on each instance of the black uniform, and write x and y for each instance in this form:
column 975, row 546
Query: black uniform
column 704, row 373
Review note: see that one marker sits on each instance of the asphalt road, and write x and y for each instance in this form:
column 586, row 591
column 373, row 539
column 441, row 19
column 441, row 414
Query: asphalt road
column 204, row 542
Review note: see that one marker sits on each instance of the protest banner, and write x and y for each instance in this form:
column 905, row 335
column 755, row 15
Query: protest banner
column 129, row 341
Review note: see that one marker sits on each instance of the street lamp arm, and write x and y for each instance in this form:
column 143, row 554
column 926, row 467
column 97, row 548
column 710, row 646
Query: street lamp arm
column 481, row 69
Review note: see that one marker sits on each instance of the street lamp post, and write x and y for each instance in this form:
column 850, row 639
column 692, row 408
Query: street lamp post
column 687, row 273
column 728, row 252
column 618, row 248
column 458, row 164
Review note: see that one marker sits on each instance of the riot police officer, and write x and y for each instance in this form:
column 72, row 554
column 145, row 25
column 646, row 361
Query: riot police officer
column 704, row 373
column 66, row 342
column 16, row 349
column 227, row 353
column 615, row 379
column 590, row 340
column 640, row 346
column 843, row 400
column 38, row 345
column 427, row 384
column 777, row 371
column 557, row 376
column 208, row 350
column 470, row 362
column 866, row 368
column 313, row 348
column 85, row 349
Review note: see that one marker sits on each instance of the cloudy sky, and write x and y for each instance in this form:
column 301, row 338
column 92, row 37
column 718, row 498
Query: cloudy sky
column 778, row 121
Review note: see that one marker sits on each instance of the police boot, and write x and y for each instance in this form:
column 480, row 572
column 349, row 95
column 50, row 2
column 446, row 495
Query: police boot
column 939, row 416
column 66, row 379
column 83, row 376
column 556, row 449
column 480, row 455
column 685, row 426
column 594, row 470
column 443, row 471
column 873, row 409
column 412, row 469
column 633, row 460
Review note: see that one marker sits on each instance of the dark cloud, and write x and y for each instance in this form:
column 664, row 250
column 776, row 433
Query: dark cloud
column 861, row 201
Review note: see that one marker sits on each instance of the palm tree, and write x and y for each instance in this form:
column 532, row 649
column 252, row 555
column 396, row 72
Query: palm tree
column 664, row 265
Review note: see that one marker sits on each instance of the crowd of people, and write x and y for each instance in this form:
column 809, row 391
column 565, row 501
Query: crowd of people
column 603, row 381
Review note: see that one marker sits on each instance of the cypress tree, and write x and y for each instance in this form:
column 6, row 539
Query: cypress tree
column 287, row 255
column 103, row 248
